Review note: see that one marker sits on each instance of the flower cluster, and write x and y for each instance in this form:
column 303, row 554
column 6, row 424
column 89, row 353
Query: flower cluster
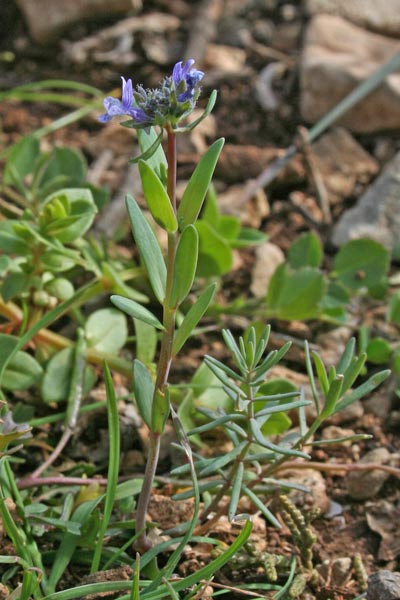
column 172, row 101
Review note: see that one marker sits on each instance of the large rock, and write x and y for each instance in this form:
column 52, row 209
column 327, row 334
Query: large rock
column 377, row 213
column 47, row 18
column 383, row 16
column 337, row 56
column 384, row 585
column 342, row 163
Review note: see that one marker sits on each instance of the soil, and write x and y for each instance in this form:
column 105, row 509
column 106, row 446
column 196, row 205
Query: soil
column 345, row 529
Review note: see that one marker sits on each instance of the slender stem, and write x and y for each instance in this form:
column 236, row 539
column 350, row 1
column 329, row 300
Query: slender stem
column 143, row 543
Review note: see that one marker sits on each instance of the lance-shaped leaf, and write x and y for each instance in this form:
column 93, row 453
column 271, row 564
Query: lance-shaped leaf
column 333, row 395
column 362, row 390
column 143, row 388
column 157, row 198
column 280, row 449
column 192, row 317
column 149, row 248
column 236, row 490
column 194, row 194
column 160, row 410
column 136, row 310
column 185, row 265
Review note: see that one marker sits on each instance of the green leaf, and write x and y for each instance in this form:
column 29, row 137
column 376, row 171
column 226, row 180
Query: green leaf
column 361, row 263
column 194, row 194
column 119, row 286
column 295, row 294
column 7, row 438
column 22, row 372
column 210, row 105
column 143, row 388
column 215, row 254
column 249, row 237
column 21, row 160
column 113, row 466
column 362, row 390
column 332, row 397
column 146, row 341
column 106, row 330
column 149, row 249
column 160, row 410
column 10, row 239
column 277, row 422
column 236, row 491
column 8, row 344
column 57, row 377
column 321, row 373
column 157, row 198
column 185, row 265
column 136, row 310
column 306, row 251
column 394, row 308
column 13, row 285
column 72, row 223
column 66, row 164
column 228, row 227
column 379, row 351
column 192, row 317
column 150, row 143
column 335, row 301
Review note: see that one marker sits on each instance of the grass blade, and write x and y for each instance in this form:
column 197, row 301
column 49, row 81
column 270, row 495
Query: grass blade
column 113, row 465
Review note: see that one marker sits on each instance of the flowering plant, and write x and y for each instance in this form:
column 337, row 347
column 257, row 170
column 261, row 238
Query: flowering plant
column 168, row 104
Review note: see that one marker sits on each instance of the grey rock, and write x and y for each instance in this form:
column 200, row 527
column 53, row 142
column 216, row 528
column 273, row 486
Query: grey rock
column 382, row 16
column 384, row 585
column 338, row 56
column 377, row 213
column 362, row 485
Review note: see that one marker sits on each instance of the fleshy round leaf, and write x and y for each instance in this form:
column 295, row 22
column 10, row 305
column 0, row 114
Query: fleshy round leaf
column 215, row 254
column 106, row 330
column 295, row 294
column 306, row 251
column 57, row 378
column 21, row 372
column 361, row 263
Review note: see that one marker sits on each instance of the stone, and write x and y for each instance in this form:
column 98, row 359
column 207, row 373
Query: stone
column 338, row 56
column 343, row 164
column 377, row 212
column 268, row 258
column 225, row 58
column 242, row 162
column 333, row 432
column 341, row 570
column 382, row 17
column 362, row 485
column 312, row 479
column 251, row 212
column 383, row 585
column 47, row 18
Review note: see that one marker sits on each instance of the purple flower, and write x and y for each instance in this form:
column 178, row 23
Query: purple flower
column 185, row 80
column 115, row 107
